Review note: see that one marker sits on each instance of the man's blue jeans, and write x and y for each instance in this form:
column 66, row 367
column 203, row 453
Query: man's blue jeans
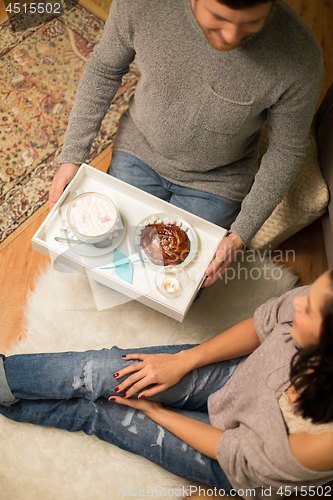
column 71, row 390
column 217, row 209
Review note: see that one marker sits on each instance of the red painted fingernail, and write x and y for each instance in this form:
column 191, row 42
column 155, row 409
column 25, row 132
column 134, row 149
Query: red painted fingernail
column 112, row 399
column 116, row 375
column 124, row 395
column 142, row 396
column 116, row 389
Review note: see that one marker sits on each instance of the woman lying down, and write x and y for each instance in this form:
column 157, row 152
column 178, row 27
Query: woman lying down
column 250, row 409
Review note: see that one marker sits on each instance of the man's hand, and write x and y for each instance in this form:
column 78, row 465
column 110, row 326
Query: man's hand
column 161, row 370
column 225, row 254
column 63, row 177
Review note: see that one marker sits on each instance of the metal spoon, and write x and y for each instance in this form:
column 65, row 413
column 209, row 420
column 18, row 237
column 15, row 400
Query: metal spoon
column 102, row 244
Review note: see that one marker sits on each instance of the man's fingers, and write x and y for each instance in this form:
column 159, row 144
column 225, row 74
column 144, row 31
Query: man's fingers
column 52, row 195
column 51, row 205
column 56, row 190
column 61, row 183
column 215, row 266
column 225, row 254
column 65, row 174
column 208, row 282
column 221, row 255
column 215, row 272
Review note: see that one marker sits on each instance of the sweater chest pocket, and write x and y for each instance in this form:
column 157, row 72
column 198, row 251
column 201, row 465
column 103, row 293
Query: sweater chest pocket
column 221, row 115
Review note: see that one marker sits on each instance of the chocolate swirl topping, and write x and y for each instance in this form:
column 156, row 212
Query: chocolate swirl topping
column 165, row 244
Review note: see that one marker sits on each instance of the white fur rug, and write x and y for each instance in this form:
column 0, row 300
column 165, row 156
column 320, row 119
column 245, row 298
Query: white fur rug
column 50, row 464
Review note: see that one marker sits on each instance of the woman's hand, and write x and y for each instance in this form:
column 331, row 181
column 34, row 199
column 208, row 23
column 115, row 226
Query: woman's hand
column 201, row 436
column 149, row 408
column 162, row 370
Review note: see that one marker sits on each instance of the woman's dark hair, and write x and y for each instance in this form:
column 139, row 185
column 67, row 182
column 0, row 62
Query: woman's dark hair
column 311, row 371
column 242, row 4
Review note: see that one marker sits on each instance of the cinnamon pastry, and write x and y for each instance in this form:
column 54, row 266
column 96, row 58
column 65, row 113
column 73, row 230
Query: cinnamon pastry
column 165, row 244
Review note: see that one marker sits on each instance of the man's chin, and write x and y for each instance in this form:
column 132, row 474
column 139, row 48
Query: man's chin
column 218, row 44
column 224, row 48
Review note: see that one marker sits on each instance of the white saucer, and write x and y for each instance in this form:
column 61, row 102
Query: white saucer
column 90, row 250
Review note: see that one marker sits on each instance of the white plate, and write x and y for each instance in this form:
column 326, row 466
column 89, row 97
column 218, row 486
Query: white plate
column 190, row 234
column 90, row 250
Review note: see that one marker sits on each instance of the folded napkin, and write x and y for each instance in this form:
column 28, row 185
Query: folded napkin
column 122, row 265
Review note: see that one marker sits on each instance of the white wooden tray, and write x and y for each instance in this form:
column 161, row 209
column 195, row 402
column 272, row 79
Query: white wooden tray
column 134, row 204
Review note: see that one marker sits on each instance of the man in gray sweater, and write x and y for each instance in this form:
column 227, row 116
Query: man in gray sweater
column 212, row 72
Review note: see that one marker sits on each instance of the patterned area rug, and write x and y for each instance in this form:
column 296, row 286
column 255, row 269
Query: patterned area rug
column 40, row 68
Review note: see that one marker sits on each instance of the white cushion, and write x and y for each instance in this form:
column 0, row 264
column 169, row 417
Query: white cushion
column 304, row 202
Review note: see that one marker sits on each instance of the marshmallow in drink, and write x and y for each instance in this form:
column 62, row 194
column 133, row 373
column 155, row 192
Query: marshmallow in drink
column 92, row 215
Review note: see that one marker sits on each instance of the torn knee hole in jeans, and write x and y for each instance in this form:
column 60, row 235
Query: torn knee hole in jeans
column 87, row 378
column 131, row 426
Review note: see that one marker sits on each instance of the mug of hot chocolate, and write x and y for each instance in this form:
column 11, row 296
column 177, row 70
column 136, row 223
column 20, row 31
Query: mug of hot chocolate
column 92, row 217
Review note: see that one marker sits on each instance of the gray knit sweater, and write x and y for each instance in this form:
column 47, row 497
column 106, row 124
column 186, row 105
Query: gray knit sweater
column 196, row 113
column 254, row 451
